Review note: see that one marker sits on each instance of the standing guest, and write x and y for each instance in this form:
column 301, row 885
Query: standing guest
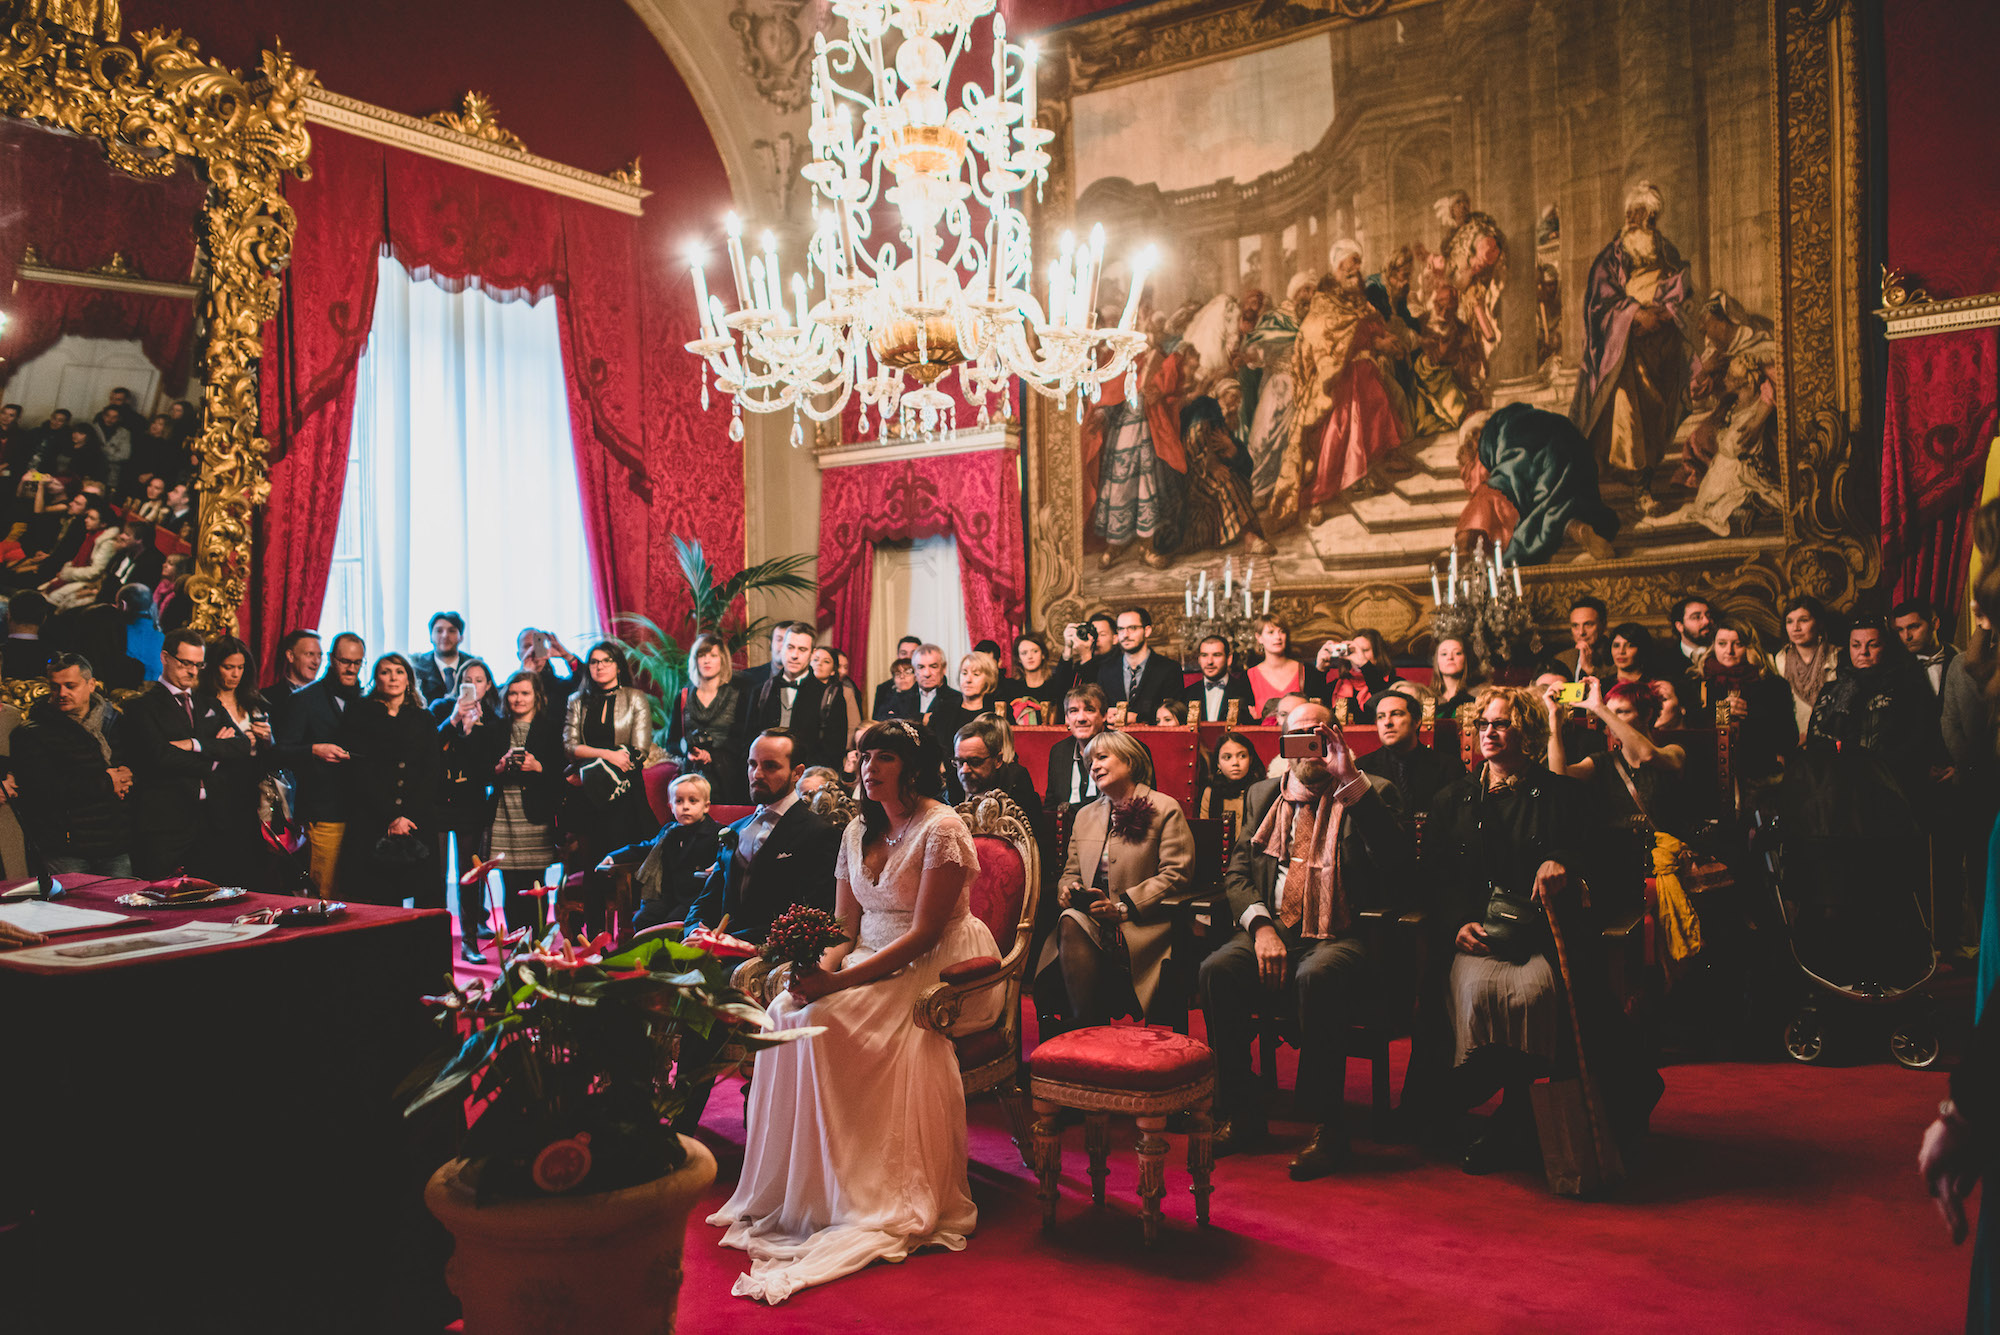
column 232, row 849
column 1070, row 781
column 155, row 458
column 795, row 700
column 172, row 735
column 1357, row 670
column 1003, row 691
column 1036, row 700
column 1220, row 686
column 885, row 692
column 1233, row 771
column 1810, row 657
column 1735, row 673
column 1325, row 849
column 931, row 690
column 25, row 655
column 1278, row 673
column 1454, row 675
column 528, row 757
column 673, row 869
column 299, row 658
column 143, row 637
column 13, row 844
column 1589, row 652
column 1130, row 852
column 73, row 779
column 1881, row 703
column 466, row 736
column 977, row 697
column 539, row 652
column 392, row 791
column 1968, row 728
column 752, row 679
column 1418, row 772
column 1136, row 677
column 1916, row 623
column 310, row 731
column 611, row 720
column 16, row 441
column 834, row 686
column 119, row 440
column 901, row 702
column 983, row 761
column 705, row 728
column 437, row 670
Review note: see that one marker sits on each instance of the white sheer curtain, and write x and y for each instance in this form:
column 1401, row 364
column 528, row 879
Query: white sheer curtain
column 461, row 481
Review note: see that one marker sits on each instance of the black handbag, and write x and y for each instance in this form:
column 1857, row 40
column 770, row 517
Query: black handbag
column 1517, row 927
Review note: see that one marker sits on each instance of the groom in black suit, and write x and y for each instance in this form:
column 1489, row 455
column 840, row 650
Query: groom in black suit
column 779, row 855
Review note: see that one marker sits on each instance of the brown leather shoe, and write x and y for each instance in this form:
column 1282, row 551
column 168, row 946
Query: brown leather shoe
column 1233, row 1136
column 1325, row 1153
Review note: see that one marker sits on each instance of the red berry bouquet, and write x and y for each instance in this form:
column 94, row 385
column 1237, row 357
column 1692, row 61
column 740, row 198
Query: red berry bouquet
column 799, row 936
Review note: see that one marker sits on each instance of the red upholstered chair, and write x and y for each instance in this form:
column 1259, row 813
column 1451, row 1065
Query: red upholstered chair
column 1146, row 1071
column 1003, row 897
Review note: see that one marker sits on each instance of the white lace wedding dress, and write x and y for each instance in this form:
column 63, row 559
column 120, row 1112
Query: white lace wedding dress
column 856, row 1146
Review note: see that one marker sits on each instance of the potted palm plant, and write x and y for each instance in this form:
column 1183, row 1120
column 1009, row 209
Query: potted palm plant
column 660, row 660
column 570, row 1197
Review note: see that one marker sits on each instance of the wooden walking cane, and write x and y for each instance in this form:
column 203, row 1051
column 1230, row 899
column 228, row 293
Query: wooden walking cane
column 1578, row 1152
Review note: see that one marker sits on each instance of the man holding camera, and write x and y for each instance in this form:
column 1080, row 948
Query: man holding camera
column 1326, row 848
column 1136, row 677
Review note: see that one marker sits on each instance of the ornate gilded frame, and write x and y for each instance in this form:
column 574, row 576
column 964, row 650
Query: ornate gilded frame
column 152, row 103
column 1819, row 138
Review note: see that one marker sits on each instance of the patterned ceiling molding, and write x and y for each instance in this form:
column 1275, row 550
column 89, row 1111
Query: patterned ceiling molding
column 777, row 48
column 482, row 155
column 995, row 437
column 1916, row 318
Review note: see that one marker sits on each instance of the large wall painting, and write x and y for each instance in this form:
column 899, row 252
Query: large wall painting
column 1628, row 235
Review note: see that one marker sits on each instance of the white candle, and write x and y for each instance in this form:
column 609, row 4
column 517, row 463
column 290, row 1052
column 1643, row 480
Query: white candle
column 1434, row 586
column 1517, row 579
column 1029, row 57
column 1211, row 604
column 757, row 301
column 1228, row 574
column 1142, row 264
column 799, row 297
column 734, row 225
column 1267, row 600
column 774, row 279
column 1187, row 601
column 1451, row 579
column 1246, row 600
column 1201, row 586
column 999, row 59
column 1096, row 272
column 1248, row 566
column 700, row 293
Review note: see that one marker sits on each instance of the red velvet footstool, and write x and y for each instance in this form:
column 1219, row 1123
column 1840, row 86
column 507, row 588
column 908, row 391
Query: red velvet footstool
column 1149, row 1073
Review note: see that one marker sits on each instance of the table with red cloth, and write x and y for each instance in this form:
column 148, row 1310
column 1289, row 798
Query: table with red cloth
column 208, row 1139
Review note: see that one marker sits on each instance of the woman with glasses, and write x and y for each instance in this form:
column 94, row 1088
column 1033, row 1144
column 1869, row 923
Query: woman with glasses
column 465, row 808
column 609, row 733
column 392, row 775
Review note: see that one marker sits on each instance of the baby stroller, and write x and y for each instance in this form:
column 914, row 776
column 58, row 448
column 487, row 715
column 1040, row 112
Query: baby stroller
column 1852, row 872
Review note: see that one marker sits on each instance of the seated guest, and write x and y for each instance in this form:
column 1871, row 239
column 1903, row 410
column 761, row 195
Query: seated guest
column 779, row 855
column 232, row 849
column 1233, row 770
column 1454, row 676
column 1173, row 714
column 1635, row 658
column 527, row 775
column 72, row 777
column 1325, row 847
column 1418, row 772
column 706, row 715
column 1916, row 622
column 1035, row 698
column 74, row 584
column 437, row 668
column 310, row 731
column 1220, row 686
column 1735, row 675
column 299, row 658
column 901, row 700
column 1589, row 652
column 392, row 792
column 1135, row 676
column 610, row 720
column 931, row 691
column 143, row 636
column 1355, row 670
column 465, row 715
column 673, row 869
column 1130, row 852
column 1810, row 657
column 1278, row 708
column 835, row 687
column 172, row 735
column 1070, row 783
column 884, row 706
column 1579, row 738
column 817, row 779
column 179, row 518
column 1278, row 673
column 135, row 558
column 25, row 655
column 977, row 697
column 1693, row 622
column 983, row 761
column 1510, row 831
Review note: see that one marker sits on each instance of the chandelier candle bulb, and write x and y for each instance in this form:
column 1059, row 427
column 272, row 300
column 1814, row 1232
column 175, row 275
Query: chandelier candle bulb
column 1267, row 600
column 1211, row 604
column 774, row 277
column 758, row 300
column 700, row 294
column 1029, row 56
column 1228, row 575
column 734, row 226
column 1493, row 581
column 1246, row 600
column 1248, row 566
column 1517, row 579
column 1096, row 271
column 1435, row 600
column 799, row 297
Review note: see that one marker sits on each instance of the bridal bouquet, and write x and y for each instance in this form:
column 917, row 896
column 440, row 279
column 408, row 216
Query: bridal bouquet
column 798, row 937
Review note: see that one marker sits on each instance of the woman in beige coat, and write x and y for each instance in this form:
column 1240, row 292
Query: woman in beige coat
column 1130, row 853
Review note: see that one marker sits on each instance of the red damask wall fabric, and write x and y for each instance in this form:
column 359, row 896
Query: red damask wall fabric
column 1942, row 413
column 974, row 497
column 1943, row 206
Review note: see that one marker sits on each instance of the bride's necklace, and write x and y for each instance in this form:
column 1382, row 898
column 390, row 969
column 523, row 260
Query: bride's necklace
column 893, row 839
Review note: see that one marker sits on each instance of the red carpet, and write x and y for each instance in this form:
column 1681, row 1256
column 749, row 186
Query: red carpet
column 1772, row 1198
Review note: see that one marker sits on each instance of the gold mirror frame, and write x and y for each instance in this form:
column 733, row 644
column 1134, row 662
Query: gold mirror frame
column 1831, row 548
column 151, row 104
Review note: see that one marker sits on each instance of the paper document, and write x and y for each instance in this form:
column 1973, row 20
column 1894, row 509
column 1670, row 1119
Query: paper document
column 48, row 918
column 189, row 936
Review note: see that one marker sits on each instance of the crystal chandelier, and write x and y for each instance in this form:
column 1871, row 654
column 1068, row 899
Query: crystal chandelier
column 952, row 286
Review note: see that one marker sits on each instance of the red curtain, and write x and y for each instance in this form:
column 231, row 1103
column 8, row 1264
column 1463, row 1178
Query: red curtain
column 974, row 497
column 452, row 226
column 39, row 314
column 1941, row 414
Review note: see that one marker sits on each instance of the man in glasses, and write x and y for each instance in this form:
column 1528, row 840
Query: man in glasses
column 173, row 734
column 309, row 744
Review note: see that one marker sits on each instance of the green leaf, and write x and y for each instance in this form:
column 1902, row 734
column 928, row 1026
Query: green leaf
column 457, row 1073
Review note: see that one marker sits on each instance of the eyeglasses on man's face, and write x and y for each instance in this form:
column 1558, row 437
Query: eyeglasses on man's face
column 346, row 662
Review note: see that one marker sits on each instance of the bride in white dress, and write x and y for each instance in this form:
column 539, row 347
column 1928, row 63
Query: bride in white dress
column 856, row 1146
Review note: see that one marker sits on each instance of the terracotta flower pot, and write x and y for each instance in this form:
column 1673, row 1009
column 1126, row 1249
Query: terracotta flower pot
column 601, row 1264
